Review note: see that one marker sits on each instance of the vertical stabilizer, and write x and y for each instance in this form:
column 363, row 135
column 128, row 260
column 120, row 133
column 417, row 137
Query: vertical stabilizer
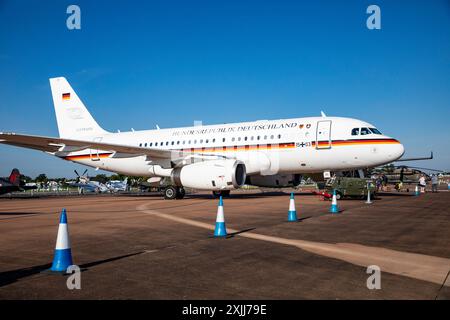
column 14, row 177
column 74, row 120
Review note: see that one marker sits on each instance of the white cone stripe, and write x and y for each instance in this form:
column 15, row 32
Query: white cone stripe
column 220, row 217
column 292, row 205
column 62, row 241
column 334, row 201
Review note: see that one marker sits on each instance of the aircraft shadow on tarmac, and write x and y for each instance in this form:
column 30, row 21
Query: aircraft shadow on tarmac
column 249, row 195
column 394, row 194
column 17, row 213
column 9, row 277
column 210, row 196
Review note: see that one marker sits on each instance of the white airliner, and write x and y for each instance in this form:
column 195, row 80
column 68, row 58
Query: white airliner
column 271, row 153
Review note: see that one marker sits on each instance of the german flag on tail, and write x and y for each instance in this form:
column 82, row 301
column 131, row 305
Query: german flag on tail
column 66, row 96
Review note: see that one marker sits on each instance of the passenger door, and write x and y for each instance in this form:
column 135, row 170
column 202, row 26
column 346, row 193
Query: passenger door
column 323, row 134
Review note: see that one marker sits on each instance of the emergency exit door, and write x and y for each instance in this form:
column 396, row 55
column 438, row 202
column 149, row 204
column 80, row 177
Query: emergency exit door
column 323, row 134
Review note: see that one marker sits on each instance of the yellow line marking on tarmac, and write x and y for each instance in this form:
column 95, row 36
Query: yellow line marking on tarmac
column 412, row 265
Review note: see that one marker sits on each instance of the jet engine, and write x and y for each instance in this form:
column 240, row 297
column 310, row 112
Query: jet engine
column 212, row 175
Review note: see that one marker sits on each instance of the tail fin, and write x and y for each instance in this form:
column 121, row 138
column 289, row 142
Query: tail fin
column 14, row 177
column 74, row 120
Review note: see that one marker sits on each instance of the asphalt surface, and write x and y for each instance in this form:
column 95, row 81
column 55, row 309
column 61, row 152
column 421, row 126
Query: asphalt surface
column 144, row 247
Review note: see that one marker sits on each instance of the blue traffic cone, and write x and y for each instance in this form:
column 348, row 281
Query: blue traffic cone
column 220, row 230
column 63, row 253
column 292, row 214
column 334, row 206
column 416, row 191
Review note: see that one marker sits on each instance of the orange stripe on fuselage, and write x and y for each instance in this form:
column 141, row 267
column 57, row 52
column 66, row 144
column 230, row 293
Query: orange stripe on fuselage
column 337, row 143
column 87, row 156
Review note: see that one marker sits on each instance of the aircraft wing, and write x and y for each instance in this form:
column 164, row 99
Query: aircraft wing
column 59, row 145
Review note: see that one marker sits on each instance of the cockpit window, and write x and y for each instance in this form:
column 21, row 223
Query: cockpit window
column 355, row 131
column 375, row 131
column 365, row 131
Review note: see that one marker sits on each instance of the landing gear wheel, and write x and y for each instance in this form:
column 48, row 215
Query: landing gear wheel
column 170, row 193
column 223, row 193
column 180, row 193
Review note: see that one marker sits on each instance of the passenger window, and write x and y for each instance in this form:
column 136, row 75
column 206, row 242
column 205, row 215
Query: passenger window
column 279, row 136
column 145, row 144
column 223, row 139
column 156, row 144
column 355, row 131
column 140, row 144
column 151, row 143
column 271, row 137
column 365, row 131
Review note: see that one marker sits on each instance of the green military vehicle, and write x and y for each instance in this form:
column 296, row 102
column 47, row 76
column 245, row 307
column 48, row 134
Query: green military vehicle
column 349, row 187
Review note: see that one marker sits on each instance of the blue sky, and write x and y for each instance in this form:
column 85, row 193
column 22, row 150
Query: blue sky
column 141, row 63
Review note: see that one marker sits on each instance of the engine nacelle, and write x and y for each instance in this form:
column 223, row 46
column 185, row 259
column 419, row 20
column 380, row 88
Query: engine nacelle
column 211, row 175
column 275, row 181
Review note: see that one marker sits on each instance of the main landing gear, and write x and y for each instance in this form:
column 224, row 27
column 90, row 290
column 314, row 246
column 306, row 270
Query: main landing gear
column 172, row 192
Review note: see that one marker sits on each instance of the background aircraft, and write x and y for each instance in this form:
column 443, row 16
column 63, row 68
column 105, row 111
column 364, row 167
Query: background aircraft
column 85, row 185
column 403, row 174
column 13, row 183
column 117, row 185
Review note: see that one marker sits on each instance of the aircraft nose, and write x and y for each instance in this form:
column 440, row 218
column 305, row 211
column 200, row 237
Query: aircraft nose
column 398, row 151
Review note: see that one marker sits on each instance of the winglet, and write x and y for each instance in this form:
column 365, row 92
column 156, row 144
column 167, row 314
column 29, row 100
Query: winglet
column 323, row 114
